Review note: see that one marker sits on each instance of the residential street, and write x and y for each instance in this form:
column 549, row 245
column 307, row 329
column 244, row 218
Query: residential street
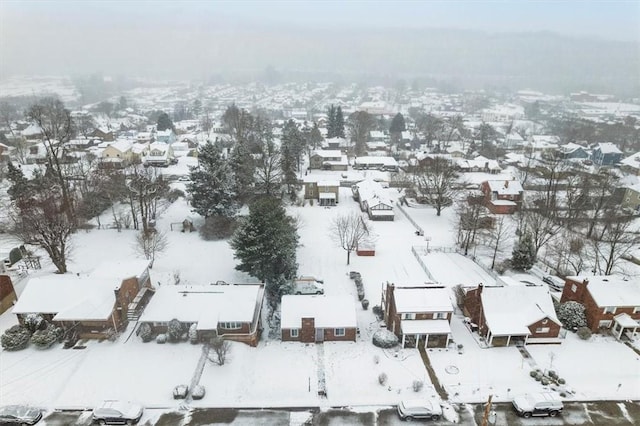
column 603, row 413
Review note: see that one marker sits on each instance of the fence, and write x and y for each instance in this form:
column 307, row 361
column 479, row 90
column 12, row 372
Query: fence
column 413, row 222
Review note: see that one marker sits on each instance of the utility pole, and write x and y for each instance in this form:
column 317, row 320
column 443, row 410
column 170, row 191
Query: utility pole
column 487, row 410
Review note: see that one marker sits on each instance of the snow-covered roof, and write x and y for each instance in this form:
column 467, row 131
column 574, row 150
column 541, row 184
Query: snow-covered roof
column 327, row 311
column 387, row 161
column 505, row 187
column 512, row 309
column 122, row 145
column 328, row 153
column 206, row 305
column 422, row 299
column 608, row 148
column 611, row 290
column 632, row 161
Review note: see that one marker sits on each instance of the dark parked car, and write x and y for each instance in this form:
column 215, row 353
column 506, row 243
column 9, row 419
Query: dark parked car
column 117, row 413
column 19, row 415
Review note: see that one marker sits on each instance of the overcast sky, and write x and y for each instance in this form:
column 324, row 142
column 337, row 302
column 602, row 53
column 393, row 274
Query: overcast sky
column 66, row 37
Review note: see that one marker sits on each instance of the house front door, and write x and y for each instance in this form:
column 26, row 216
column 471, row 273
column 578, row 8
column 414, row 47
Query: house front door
column 319, row 335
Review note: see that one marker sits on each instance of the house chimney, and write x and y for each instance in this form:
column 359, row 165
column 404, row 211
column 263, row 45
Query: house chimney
column 585, row 282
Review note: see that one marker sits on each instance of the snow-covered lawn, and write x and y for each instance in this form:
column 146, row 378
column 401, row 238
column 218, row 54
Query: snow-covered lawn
column 277, row 373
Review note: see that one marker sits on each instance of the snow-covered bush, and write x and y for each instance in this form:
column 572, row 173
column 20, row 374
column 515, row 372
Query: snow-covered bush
column 193, row 333
column 544, row 381
column 180, row 392
column 365, row 304
column 15, row 338
column 361, row 294
column 161, row 338
column 198, row 392
column 584, row 333
column 561, row 381
column 145, row 332
column 385, row 339
column 175, row 330
column 33, row 322
column 552, row 374
column 378, row 312
column 46, row 337
column 382, row 378
column 572, row 315
column 417, row 385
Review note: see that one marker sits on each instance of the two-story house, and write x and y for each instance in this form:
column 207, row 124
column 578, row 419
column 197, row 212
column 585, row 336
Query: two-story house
column 502, row 196
column 160, row 154
column 118, row 154
column 610, row 302
column 631, row 164
column 326, row 192
column 606, row 154
column 328, row 160
column 420, row 315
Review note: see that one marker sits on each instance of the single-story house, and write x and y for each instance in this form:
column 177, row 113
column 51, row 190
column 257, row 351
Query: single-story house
column 420, row 315
column 318, row 318
column 372, row 199
column 160, row 154
column 381, row 163
column 611, row 302
column 513, row 314
column 93, row 304
column 229, row 310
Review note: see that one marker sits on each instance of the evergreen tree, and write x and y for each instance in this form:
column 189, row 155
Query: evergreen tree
column 524, row 254
column 572, row 315
column 396, row 128
column 331, row 122
column 164, row 122
column 212, row 185
column 265, row 243
column 339, row 122
column 315, row 137
column 291, row 150
column 243, row 168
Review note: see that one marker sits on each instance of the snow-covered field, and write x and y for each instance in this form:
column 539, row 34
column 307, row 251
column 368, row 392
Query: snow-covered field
column 286, row 374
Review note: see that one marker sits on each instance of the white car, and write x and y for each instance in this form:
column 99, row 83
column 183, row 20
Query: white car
column 113, row 412
column 538, row 404
column 307, row 286
column 420, row 409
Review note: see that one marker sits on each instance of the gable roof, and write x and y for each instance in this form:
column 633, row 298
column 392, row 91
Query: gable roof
column 611, row 290
column 327, row 311
column 505, row 187
column 608, row 148
column 512, row 309
column 422, row 299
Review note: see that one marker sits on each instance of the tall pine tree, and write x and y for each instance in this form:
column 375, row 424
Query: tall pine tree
column 212, row 184
column 524, row 254
column 339, row 123
column 331, row 122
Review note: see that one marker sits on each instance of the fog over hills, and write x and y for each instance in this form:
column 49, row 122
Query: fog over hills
column 135, row 45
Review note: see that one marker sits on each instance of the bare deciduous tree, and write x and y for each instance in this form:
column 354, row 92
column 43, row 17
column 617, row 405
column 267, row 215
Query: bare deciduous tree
column 359, row 124
column 435, row 181
column 221, row 349
column 151, row 243
column 615, row 241
column 502, row 228
column 348, row 231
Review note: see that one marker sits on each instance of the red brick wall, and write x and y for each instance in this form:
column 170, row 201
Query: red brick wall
column 7, row 293
column 307, row 333
column 593, row 312
column 349, row 335
column 554, row 329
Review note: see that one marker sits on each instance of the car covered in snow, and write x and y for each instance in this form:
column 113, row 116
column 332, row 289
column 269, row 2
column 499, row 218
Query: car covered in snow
column 538, row 404
column 304, row 285
column 555, row 283
column 19, row 415
column 420, row 409
column 112, row 412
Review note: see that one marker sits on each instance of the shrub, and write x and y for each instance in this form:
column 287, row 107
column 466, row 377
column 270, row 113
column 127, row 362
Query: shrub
column 174, row 194
column 365, row 304
column 561, row 381
column 161, row 338
column 417, row 385
column 385, row 339
column 552, row 374
column 584, row 333
column 382, row 378
column 572, row 315
column 46, row 337
column 562, row 394
column 198, row 392
column 175, row 330
column 544, row 381
column 34, row 322
column 145, row 332
column 378, row 312
column 15, row 338
column 533, row 373
column 193, row 333
column 180, row 392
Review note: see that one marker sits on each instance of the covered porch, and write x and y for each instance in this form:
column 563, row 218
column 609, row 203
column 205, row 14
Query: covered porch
column 425, row 333
column 507, row 334
column 327, row 198
column 623, row 324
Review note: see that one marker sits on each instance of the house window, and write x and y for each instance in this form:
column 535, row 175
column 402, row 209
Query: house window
column 636, row 309
column 339, row 332
column 293, row 332
column 410, row 316
column 544, row 321
column 231, row 325
column 439, row 315
column 609, row 310
column 574, row 288
column 604, row 324
column 541, row 330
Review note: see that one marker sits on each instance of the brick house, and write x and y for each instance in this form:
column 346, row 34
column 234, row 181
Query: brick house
column 229, row 310
column 515, row 314
column 419, row 315
column 502, row 196
column 7, row 293
column 611, row 302
column 92, row 305
column 312, row 319
column 325, row 192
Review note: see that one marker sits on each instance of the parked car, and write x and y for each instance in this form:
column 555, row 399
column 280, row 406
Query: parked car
column 307, row 286
column 112, row 412
column 420, row 409
column 19, row 415
column 538, row 404
column 555, row 283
